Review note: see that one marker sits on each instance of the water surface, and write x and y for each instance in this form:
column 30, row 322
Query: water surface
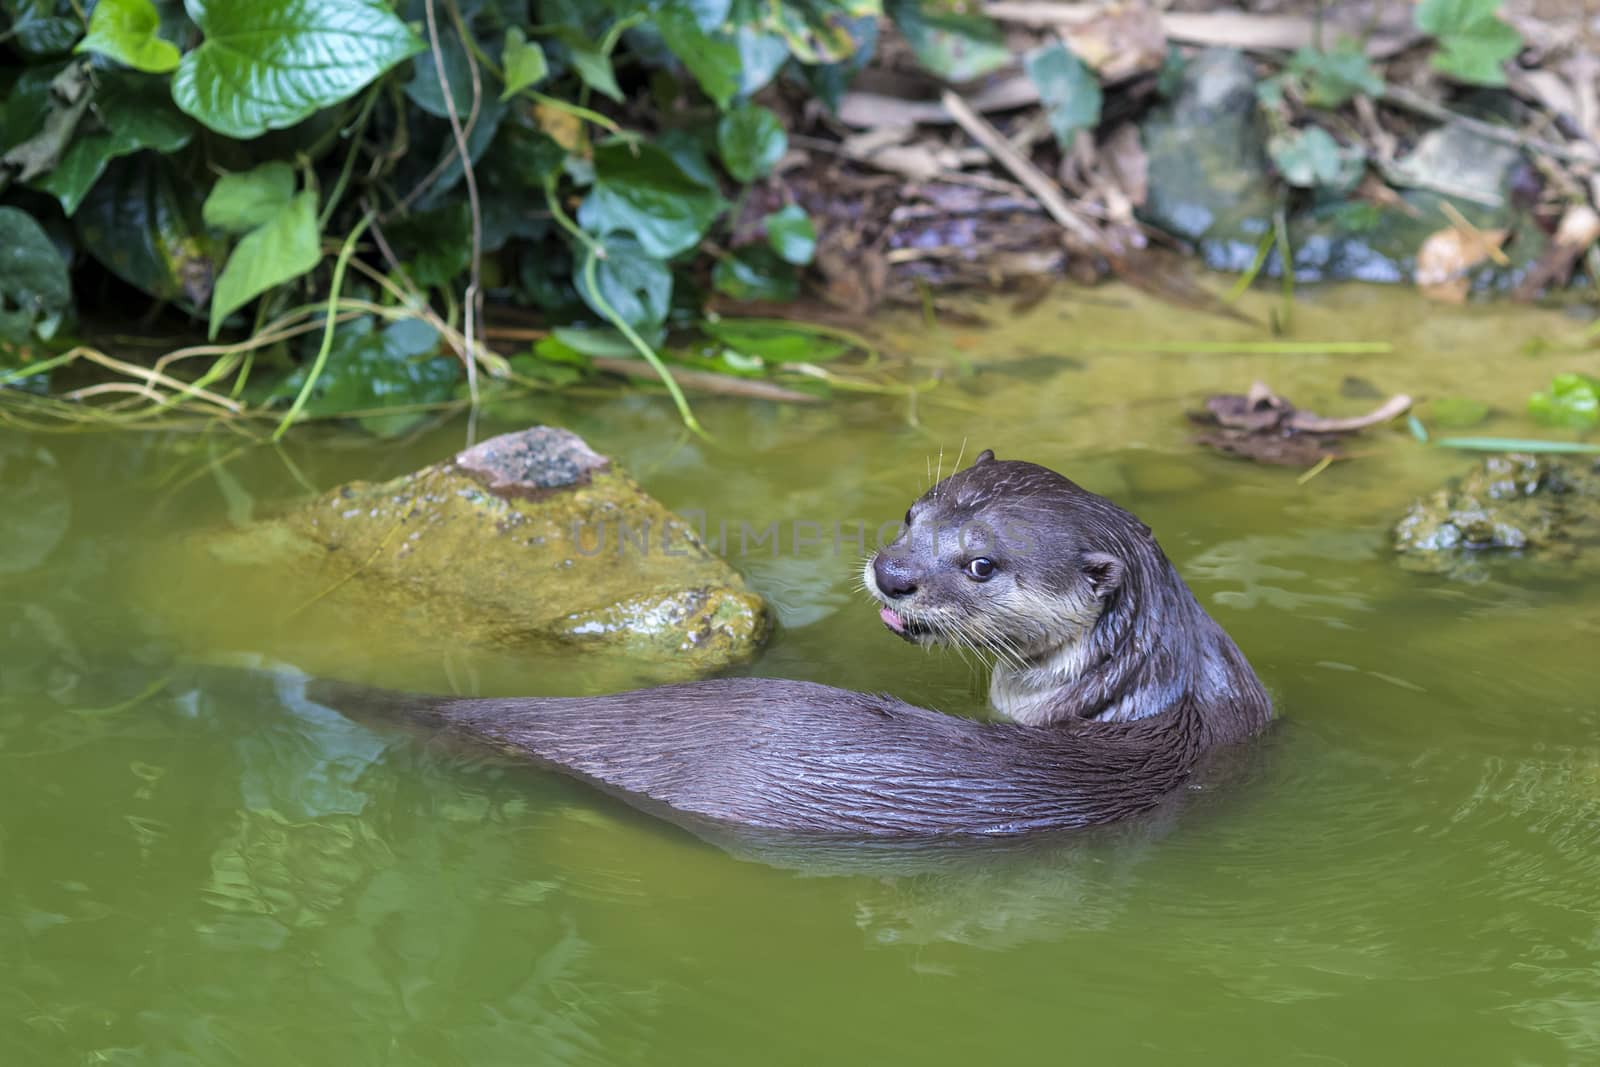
column 203, row 870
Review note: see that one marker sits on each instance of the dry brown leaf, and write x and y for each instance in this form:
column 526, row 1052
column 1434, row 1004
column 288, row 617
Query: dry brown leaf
column 1127, row 163
column 1579, row 228
column 561, row 126
column 1447, row 255
column 1121, row 40
column 864, row 110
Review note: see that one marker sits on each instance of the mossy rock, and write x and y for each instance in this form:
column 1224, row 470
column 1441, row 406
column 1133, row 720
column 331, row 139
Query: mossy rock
column 530, row 543
column 1527, row 507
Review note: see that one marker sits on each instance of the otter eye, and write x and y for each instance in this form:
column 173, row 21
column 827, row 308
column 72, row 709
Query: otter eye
column 980, row 569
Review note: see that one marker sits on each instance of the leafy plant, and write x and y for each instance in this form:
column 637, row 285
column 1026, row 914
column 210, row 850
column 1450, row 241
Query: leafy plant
column 215, row 156
column 1332, row 78
column 1572, row 401
column 1311, row 158
column 1069, row 90
column 1474, row 43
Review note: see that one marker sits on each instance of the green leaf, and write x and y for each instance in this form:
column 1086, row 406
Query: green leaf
column 1473, row 43
column 126, row 31
column 1069, row 90
column 754, row 273
column 791, row 234
column 641, row 190
column 279, row 250
column 1516, row 444
column 1331, row 79
column 33, row 276
column 144, row 224
column 958, row 48
column 437, row 244
column 368, row 370
column 583, row 342
column 712, row 58
column 761, row 56
column 750, row 140
column 267, row 66
column 1311, row 158
column 241, row 202
column 426, row 88
column 523, row 62
column 774, row 342
column 593, row 66
column 136, row 112
column 1573, row 402
column 635, row 285
column 43, row 27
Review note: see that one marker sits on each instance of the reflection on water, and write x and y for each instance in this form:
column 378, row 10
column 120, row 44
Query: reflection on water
column 200, row 867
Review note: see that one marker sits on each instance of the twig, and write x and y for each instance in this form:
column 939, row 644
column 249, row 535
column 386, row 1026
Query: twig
column 1406, row 100
column 1047, row 192
column 473, row 298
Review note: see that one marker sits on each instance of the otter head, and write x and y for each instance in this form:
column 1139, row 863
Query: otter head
column 1007, row 558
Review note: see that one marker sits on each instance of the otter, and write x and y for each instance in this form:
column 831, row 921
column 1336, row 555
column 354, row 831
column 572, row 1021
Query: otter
column 1114, row 682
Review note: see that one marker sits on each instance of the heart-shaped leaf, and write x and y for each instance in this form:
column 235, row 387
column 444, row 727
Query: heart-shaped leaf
column 791, row 234
column 593, row 66
column 523, row 62
column 750, row 140
column 267, row 66
column 126, row 31
column 713, row 58
column 279, row 250
column 1474, row 43
column 641, row 189
column 1069, row 90
column 240, row 202
column 143, row 223
column 630, row 283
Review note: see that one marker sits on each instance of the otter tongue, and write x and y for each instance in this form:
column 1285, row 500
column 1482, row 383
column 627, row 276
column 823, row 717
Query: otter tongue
column 892, row 620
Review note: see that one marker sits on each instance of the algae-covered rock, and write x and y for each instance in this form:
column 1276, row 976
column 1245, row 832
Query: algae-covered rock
column 528, row 543
column 1531, row 507
column 1209, row 177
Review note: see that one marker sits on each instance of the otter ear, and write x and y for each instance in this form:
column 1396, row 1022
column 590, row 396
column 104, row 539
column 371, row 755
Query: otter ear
column 986, row 456
column 1104, row 572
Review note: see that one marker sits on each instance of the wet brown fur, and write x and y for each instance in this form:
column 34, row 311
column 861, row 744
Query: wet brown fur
column 1160, row 685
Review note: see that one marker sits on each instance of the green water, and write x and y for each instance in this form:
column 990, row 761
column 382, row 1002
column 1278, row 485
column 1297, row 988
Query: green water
column 1406, row 870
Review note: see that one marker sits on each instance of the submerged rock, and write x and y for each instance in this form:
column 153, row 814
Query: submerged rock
column 529, row 543
column 1527, row 506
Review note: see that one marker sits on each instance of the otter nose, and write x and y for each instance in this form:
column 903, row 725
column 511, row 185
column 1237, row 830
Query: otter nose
column 893, row 576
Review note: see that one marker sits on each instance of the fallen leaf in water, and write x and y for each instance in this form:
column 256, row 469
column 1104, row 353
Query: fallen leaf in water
column 1287, row 450
column 1262, row 426
column 1447, row 255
